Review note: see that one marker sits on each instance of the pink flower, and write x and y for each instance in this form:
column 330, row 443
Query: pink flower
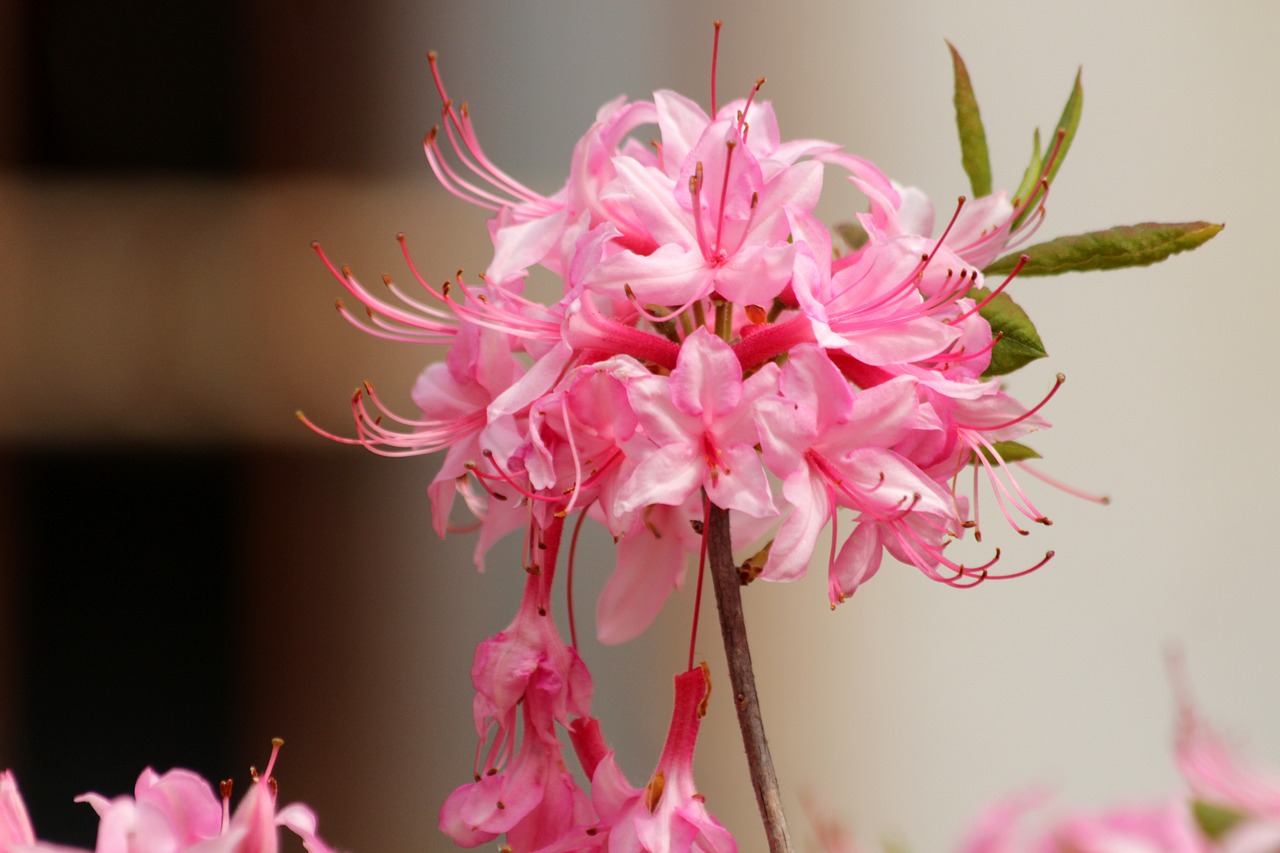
column 717, row 221
column 252, row 829
column 171, row 811
column 1225, row 781
column 1164, row 828
column 697, row 432
column 1161, row 828
column 667, row 815
column 177, row 811
column 832, row 447
column 15, row 825
column 527, row 680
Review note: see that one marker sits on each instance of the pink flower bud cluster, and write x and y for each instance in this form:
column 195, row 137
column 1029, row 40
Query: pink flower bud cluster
column 174, row 812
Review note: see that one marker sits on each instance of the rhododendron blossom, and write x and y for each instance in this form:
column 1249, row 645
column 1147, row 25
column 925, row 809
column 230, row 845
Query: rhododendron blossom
column 708, row 351
column 689, row 267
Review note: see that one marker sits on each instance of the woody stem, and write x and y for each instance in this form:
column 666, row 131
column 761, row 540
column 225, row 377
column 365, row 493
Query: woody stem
column 733, row 629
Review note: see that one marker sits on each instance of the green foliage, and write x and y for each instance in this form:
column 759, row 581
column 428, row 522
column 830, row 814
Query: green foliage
column 1214, row 820
column 1031, row 176
column 1066, row 129
column 853, row 234
column 1067, row 125
column 973, row 138
column 1019, row 342
column 1010, row 451
column 1114, row 248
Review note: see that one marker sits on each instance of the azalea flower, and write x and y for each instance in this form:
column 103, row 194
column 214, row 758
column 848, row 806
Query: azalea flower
column 174, row 812
column 698, row 432
column 667, row 815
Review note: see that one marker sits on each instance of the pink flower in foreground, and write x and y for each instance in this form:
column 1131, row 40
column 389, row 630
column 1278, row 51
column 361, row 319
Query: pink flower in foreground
column 170, row 811
column 252, row 828
column 15, row 825
column 173, row 812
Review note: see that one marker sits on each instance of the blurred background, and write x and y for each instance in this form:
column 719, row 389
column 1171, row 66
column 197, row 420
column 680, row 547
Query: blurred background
column 186, row 572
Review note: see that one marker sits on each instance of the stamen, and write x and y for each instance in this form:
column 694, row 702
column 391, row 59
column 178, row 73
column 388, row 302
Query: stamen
column 715, row 59
column 568, row 583
column 224, row 791
column 742, row 114
column 652, row 317
column 1022, row 417
column 509, row 480
column 1022, row 262
column 977, row 526
column 960, row 201
column 724, row 197
column 467, row 148
column 276, row 743
column 482, row 478
column 1104, row 500
column 436, row 327
column 1048, row 555
column 702, row 571
column 695, row 195
column 484, row 311
column 746, row 226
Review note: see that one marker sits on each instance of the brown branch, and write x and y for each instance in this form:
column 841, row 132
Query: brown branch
column 733, row 628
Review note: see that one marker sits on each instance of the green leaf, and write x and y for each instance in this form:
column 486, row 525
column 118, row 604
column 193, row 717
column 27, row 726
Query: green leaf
column 1032, row 175
column 1019, row 343
column 1214, row 821
column 1010, row 451
column 1067, row 125
column 853, row 234
column 1114, row 248
column 973, row 138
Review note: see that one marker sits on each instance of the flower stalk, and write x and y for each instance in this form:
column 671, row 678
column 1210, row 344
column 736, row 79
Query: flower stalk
column 733, row 629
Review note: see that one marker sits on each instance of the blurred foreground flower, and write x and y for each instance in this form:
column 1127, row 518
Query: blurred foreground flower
column 1232, row 807
column 173, row 812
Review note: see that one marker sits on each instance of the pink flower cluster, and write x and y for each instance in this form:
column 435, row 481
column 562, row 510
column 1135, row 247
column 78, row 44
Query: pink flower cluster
column 705, row 335
column 705, row 346
column 174, row 812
